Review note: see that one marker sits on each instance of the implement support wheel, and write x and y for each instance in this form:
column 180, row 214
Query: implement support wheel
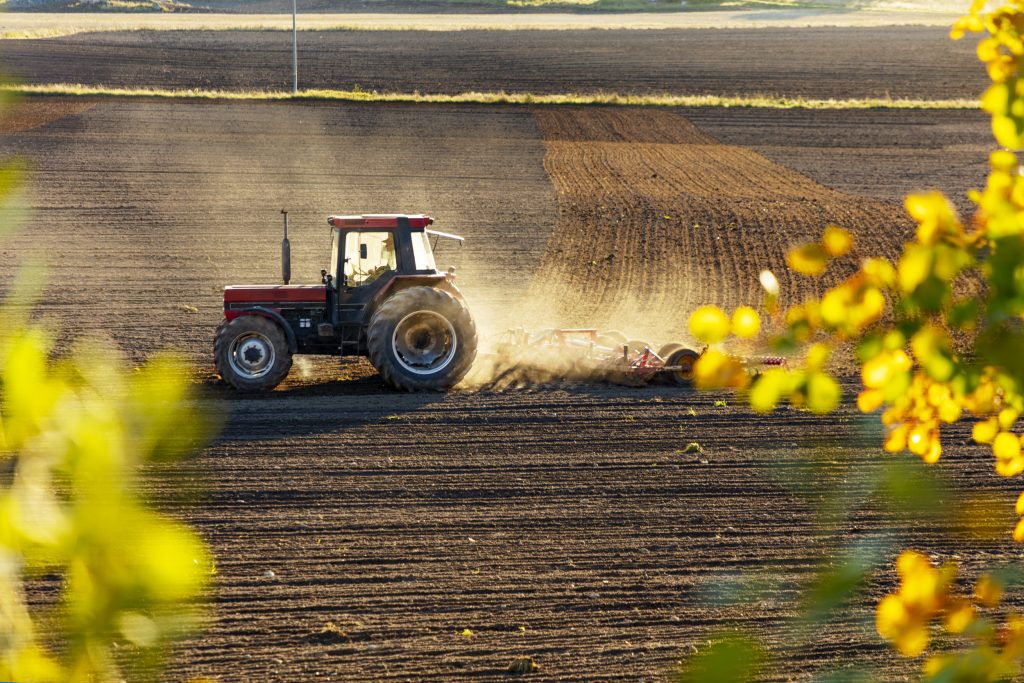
column 684, row 358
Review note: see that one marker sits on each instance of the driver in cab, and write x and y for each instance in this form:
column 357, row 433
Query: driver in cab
column 386, row 261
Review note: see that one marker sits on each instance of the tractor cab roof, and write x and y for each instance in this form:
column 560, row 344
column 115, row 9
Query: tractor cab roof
column 417, row 221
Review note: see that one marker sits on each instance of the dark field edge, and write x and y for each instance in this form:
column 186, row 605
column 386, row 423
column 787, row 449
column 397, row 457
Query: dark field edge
column 813, row 63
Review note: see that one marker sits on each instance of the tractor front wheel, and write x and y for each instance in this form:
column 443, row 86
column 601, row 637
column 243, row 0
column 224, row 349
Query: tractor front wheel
column 251, row 353
column 422, row 339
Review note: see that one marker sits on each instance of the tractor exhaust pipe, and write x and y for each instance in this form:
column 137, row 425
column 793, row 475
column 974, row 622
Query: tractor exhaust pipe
column 286, row 252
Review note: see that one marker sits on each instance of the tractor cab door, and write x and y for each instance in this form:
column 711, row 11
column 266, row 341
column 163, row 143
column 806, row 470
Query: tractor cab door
column 369, row 262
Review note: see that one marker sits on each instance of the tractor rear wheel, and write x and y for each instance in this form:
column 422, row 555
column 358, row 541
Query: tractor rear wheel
column 251, row 353
column 684, row 358
column 422, row 339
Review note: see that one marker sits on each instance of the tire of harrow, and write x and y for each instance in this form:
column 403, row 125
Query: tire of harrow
column 686, row 358
column 668, row 349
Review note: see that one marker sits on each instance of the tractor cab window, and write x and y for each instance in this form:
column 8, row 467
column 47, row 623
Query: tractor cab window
column 422, row 254
column 368, row 256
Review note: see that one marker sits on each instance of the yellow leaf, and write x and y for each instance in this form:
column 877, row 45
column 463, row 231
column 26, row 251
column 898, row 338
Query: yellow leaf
column 172, row 559
column 1004, row 161
column 835, row 306
column 869, row 400
column 879, row 271
column 914, row 266
column 891, row 616
column 716, row 370
column 767, row 390
column 988, row 591
column 818, row 355
column 1005, row 131
column 985, row 432
column 1009, row 468
column 879, row 371
column 836, row 241
column 1006, row 446
column 934, row 665
column 745, row 322
column 920, row 439
column 896, row 440
column 988, row 50
column 872, row 305
column 913, row 641
column 709, row 324
column 823, row 393
column 996, row 100
column 950, row 411
column 959, row 615
column 1018, row 531
column 809, row 259
column 1019, row 507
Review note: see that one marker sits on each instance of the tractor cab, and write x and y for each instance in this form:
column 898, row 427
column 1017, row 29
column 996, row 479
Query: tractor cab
column 373, row 255
column 367, row 249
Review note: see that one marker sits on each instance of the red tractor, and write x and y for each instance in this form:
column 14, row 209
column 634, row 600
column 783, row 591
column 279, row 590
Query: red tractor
column 382, row 298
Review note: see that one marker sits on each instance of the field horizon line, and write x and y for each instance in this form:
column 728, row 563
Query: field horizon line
column 359, row 95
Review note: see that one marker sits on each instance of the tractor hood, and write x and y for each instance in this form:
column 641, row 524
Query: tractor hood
column 275, row 294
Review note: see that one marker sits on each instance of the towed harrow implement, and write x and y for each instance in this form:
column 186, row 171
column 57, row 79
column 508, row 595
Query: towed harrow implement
column 589, row 353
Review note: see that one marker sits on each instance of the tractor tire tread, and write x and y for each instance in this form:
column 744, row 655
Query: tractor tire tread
column 380, row 330
column 227, row 331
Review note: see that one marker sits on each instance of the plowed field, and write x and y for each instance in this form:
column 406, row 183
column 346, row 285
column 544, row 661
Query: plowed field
column 563, row 523
column 655, row 216
column 816, row 63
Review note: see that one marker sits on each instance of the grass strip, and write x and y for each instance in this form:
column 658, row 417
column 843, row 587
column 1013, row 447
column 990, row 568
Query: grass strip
column 615, row 99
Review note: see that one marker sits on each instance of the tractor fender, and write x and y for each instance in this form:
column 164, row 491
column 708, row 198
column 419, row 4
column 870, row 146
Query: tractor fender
column 437, row 281
column 289, row 333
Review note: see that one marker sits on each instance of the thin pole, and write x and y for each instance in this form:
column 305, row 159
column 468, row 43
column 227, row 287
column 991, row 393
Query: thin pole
column 295, row 49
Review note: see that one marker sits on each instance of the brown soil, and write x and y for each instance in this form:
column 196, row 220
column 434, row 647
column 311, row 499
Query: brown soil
column 655, row 217
column 874, row 153
column 18, row 117
column 808, row 62
column 563, row 524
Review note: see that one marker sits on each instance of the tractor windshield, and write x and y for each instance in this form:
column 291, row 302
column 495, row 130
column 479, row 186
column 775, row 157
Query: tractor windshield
column 422, row 253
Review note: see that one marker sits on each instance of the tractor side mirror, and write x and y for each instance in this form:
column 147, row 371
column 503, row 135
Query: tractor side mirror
column 363, row 252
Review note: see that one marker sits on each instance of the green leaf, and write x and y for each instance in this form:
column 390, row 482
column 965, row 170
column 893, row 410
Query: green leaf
column 733, row 658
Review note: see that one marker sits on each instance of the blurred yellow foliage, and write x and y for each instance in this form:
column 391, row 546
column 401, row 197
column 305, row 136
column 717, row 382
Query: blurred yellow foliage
column 904, row 617
column 836, row 241
column 709, row 324
column 938, row 335
column 84, row 426
column 746, row 323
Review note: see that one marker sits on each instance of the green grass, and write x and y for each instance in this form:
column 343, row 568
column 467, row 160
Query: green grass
column 615, row 99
